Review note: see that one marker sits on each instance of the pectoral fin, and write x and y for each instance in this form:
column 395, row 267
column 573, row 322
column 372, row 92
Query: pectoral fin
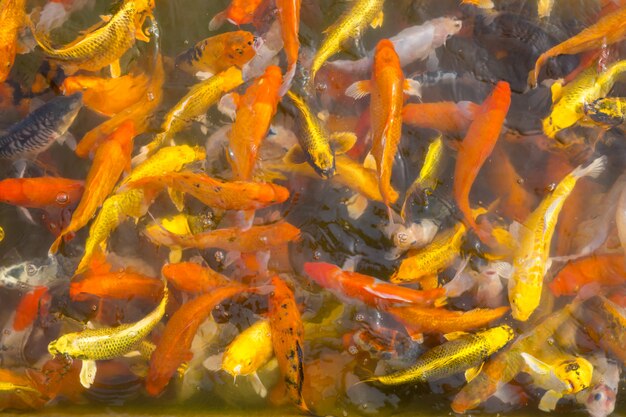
column 342, row 141
column 549, row 400
column 88, row 373
column 116, row 71
column 177, row 197
column 378, row 20
column 176, row 254
column 295, row 156
column 370, row 162
column 359, row 89
column 141, row 36
column 535, row 364
column 472, row 372
column 257, row 385
column 412, row 88
column 228, row 105
column 454, row 335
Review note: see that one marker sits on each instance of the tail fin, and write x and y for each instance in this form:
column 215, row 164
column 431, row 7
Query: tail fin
column 593, row 170
column 217, row 21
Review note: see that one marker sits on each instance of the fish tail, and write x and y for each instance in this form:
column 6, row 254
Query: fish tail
column 593, row 170
column 54, row 248
column 287, row 79
column 217, row 21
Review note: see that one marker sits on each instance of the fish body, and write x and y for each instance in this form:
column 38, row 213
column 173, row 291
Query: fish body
column 289, row 17
column 606, row 31
column 419, row 320
column 13, row 18
column 38, row 131
column 111, row 159
column 476, row 147
column 175, row 343
column 349, row 26
column 108, row 96
column 238, row 12
column 287, row 333
column 105, row 45
column 256, row 238
column 194, row 278
column 526, row 282
column 41, row 192
column 29, row 275
column 452, row 357
column 217, row 53
column 608, row 111
column 432, row 259
column 569, row 108
column 371, row 291
column 445, row 116
column 604, row 269
column 194, row 104
column 108, row 342
column 251, row 349
column 255, row 111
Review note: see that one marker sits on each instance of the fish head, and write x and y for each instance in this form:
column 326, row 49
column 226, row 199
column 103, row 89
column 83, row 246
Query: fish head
column 604, row 111
column 576, row 373
column 66, row 108
column 385, row 56
column 323, row 163
column 60, row 346
column 600, row 401
column 241, row 47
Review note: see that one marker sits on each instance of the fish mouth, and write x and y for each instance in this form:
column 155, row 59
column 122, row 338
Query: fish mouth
column 257, row 43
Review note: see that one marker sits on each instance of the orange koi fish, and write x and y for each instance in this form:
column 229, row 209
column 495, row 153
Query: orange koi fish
column 233, row 195
column 18, row 391
column 371, row 291
column 607, row 30
column 217, row 53
column 58, row 378
column 111, row 159
column 419, row 320
column 41, row 192
column 604, row 269
column 387, row 86
column 175, row 343
column 447, row 117
column 477, row 146
column 256, row 238
column 191, row 277
column 287, row 339
column 30, row 305
column 139, row 113
column 255, row 110
column 289, row 17
column 13, row 18
column 108, row 96
column 239, row 12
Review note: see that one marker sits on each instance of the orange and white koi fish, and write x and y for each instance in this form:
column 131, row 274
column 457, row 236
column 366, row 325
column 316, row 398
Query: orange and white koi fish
column 477, row 146
column 387, row 86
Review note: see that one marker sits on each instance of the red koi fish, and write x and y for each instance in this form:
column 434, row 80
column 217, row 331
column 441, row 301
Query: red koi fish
column 477, row 146
column 191, row 277
column 239, row 12
column 287, row 339
column 447, row 117
column 41, row 193
column 371, row 291
column 606, row 270
column 175, row 344
column 32, row 304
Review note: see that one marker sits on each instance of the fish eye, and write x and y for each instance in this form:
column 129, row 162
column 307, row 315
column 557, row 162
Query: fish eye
column 250, row 43
column 597, row 396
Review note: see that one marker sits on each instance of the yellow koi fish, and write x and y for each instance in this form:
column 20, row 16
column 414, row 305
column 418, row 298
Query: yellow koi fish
column 464, row 353
column 104, row 45
column 531, row 257
column 92, row 345
column 250, row 350
column 12, row 16
column 608, row 111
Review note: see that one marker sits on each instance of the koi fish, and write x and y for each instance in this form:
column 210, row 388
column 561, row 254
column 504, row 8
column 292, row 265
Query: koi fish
column 457, row 355
column 531, row 256
column 255, row 111
column 41, row 192
column 432, row 259
column 91, row 345
column 179, row 224
column 13, row 18
column 256, row 238
column 567, row 375
column 249, row 350
column 232, row 195
column 350, row 25
column 317, row 146
column 31, row 304
column 369, row 290
column 428, row 178
column 569, row 102
column 386, row 87
column 104, row 45
column 603, row 269
column 193, row 105
column 218, row 53
column 287, row 339
column 26, row 276
column 447, row 117
column 175, row 343
column 111, row 159
column 412, row 44
column 289, row 18
column 21, row 390
column 476, row 147
column 239, row 12
column 419, row 320
column 194, row 278
column 38, row 131
column 108, row 96
column 606, row 31
column 608, row 111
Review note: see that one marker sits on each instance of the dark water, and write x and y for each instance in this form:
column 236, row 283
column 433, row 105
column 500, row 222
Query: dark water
column 490, row 48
